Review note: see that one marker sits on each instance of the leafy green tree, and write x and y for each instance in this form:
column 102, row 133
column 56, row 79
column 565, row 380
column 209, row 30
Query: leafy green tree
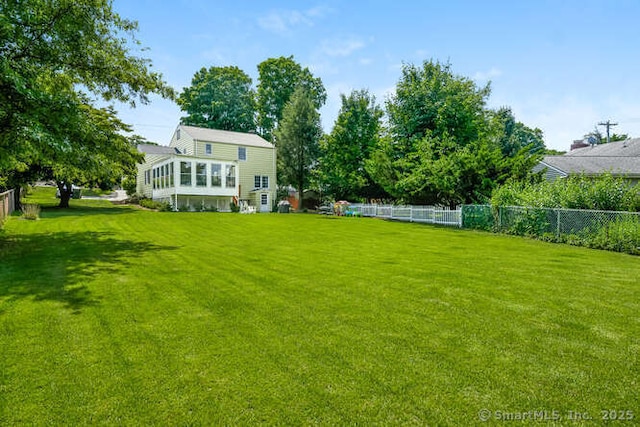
column 341, row 171
column 102, row 155
column 437, row 121
column 56, row 59
column 514, row 136
column 278, row 79
column 298, row 135
column 444, row 146
column 220, row 98
column 432, row 100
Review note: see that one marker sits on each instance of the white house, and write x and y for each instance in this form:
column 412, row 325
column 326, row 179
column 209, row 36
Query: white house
column 209, row 168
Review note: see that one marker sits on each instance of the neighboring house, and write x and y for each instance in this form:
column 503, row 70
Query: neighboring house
column 208, row 168
column 620, row 158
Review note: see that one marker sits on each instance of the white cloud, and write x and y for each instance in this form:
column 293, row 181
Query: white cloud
column 341, row 47
column 283, row 21
column 487, row 75
column 216, row 57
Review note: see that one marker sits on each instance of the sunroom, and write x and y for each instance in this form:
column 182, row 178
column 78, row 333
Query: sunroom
column 194, row 183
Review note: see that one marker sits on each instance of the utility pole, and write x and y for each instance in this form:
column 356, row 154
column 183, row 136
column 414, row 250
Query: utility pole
column 608, row 124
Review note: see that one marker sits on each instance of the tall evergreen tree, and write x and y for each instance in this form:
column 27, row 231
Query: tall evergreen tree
column 341, row 172
column 298, row 135
column 278, row 79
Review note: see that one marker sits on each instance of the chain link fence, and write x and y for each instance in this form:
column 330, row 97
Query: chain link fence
column 615, row 231
column 610, row 230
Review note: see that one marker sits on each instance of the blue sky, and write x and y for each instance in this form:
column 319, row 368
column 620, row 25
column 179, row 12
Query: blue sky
column 562, row 66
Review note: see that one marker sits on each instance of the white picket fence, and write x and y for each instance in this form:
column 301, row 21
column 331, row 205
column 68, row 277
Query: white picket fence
column 424, row 214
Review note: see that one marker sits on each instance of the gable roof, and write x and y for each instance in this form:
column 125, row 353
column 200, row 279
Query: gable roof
column 157, row 149
column 225, row 136
column 619, row 158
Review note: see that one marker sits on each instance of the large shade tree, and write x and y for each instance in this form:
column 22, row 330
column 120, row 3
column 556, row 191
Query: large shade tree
column 220, row 98
column 341, row 171
column 442, row 147
column 57, row 59
column 298, row 135
column 278, row 79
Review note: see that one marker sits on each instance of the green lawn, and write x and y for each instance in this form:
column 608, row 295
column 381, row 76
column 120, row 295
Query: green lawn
column 111, row 314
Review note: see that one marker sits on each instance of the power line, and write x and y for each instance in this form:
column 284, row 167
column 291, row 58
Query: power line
column 608, row 124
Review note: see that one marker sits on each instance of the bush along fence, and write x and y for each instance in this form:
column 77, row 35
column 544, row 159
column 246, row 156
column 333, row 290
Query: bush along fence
column 610, row 230
column 7, row 204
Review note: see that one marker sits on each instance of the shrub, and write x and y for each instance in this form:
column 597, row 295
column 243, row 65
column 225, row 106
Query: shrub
column 234, row 207
column 576, row 192
column 525, row 222
column 620, row 236
column 478, row 217
column 151, row 204
column 30, row 211
column 129, row 185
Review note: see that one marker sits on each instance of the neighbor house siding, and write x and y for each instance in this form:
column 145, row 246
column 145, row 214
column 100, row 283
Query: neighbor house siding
column 550, row 173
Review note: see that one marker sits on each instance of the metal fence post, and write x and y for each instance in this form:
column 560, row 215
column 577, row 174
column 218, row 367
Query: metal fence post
column 558, row 225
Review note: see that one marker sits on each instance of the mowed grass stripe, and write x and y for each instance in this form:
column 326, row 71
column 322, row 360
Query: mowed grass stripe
column 113, row 314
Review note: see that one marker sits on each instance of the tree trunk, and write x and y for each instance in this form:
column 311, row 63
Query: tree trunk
column 17, row 193
column 65, row 189
column 300, row 196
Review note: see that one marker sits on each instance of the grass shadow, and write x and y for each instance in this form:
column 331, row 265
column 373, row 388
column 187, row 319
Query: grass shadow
column 84, row 210
column 59, row 266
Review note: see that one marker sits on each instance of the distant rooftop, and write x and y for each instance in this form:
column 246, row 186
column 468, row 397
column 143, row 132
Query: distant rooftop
column 627, row 148
column 619, row 158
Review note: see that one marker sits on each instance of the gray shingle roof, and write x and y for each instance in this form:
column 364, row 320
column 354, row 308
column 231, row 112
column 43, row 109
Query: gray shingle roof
column 226, row 137
column 619, row 158
column 628, row 148
column 156, row 149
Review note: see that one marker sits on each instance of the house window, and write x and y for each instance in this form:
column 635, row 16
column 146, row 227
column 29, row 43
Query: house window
column 265, row 181
column 207, row 149
column 185, row 173
column 230, row 176
column 201, row 174
column 256, row 181
column 216, row 175
column 264, row 199
column 242, row 153
column 166, row 176
column 178, row 134
column 147, row 179
column 154, row 178
column 170, row 174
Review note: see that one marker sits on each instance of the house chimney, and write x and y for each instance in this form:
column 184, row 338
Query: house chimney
column 578, row 143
